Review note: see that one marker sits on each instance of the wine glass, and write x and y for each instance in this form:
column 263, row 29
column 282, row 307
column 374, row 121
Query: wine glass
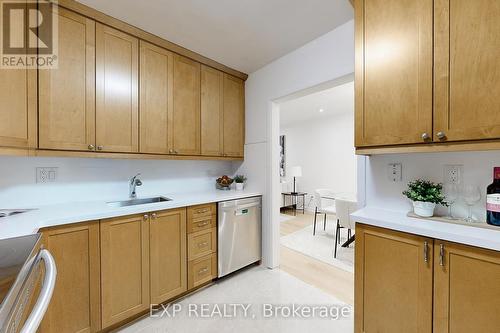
column 450, row 192
column 471, row 195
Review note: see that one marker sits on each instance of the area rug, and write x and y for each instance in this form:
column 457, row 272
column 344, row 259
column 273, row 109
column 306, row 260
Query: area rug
column 321, row 245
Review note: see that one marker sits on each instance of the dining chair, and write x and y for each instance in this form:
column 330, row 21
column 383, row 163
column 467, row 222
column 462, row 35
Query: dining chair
column 344, row 209
column 325, row 204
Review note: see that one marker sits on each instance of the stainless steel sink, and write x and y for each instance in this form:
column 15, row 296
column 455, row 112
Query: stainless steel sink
column 135, row 202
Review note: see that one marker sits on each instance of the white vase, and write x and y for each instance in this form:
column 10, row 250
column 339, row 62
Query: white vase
column 239, row 186
column 424, row 209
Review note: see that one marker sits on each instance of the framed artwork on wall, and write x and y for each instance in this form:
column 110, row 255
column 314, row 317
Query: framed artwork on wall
column 282, row 156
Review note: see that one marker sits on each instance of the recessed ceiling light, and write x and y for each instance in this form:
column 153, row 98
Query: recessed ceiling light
column 321, row 110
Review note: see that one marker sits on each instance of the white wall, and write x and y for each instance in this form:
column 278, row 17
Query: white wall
column 324, row 148
column 380, row 192
column 100, row 179
column 325, row 59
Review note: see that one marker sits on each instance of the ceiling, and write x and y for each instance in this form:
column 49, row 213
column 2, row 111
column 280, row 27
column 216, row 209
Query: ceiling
column 242, row 34
column 333, row 101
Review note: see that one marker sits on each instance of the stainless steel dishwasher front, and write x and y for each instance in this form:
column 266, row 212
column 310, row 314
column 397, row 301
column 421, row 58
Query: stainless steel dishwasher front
column 239, row 234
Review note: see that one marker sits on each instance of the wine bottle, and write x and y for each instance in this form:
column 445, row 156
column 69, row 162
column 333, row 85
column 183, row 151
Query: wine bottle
column 493, row 200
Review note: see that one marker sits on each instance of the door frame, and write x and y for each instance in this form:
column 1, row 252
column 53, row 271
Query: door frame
column 271, row 233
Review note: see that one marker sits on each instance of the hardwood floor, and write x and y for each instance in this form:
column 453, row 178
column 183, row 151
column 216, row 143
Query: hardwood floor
column 328, row 278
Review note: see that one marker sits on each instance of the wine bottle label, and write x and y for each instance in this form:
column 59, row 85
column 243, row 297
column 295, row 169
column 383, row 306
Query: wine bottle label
column 493, row 202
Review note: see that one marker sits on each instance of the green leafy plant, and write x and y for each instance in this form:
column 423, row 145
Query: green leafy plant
column 240, row 179
column 426, row 191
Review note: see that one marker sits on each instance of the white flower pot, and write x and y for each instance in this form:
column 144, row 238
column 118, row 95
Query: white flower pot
column 239, row 186
column 424, row 209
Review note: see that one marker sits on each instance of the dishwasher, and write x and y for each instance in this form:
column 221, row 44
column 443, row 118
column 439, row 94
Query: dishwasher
column 240, row 234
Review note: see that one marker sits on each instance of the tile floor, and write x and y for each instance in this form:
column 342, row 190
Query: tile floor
column 253, row 288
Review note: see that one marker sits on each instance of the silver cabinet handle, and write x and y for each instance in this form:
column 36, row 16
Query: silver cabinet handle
column 91, row 147
column 204, row 244
column 202, row 224
column 426, row 136
column 426, row 251
column 441, row 255
column 145, row 217
column 441, row 135
column 49, row 282
column 203, row 270
column 201, row 211
column 153, row 216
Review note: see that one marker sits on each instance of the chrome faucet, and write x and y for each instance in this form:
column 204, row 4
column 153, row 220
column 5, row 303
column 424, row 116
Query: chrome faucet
column 134, row 182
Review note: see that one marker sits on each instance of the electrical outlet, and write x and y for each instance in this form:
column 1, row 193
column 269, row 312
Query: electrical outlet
column 453, row 174
column 46, row 175
column 395, row 172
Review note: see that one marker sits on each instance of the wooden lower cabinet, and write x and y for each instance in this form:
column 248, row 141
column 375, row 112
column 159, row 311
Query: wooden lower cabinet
column 202, row 271
column 466, row 289
column 76, row 302
column 408, row 283
column 124, row 268
column 168, row 255
column 393, row 282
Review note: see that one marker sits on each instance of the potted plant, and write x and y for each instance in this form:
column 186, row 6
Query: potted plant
column 240, row 182
column 425, row 195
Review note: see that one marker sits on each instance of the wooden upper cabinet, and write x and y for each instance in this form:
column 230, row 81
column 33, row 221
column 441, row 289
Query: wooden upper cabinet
column 124, row 268
column 156, row 99
column 67, row 93
column 393, row 71
column 18, row 107
column 186, row 109
column 467, row 69
column 117, row 109
column 76, row 303
column 466, row 289
column 212, row 111
column 393, row 282
column 168, row 258
column 234, row 116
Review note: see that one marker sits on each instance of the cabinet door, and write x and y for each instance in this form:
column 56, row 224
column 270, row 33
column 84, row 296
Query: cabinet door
column 393, row 71
column 186, row 111
column 156, row 99
column 124, row 268
column 234, row 116
column 466, row 289
column 393, row 281
column 67, row 94
column 467, row 69
column 18, row 107
column 76, row 303
column 117, row 116
column 168, row 257
column 212, row 106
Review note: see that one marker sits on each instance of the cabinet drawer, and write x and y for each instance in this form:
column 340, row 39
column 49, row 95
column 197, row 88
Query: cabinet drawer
column 195, row 212
column 201, row 223
column 202, row 243
column 202, row 270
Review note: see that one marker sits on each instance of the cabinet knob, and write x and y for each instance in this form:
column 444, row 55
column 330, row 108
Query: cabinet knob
column 176, row 152
column 153, row 216
column 426, row 136
column 441, row 135
column 145, row 217
column 91, row 147
column 99, row 147
column 171, row 151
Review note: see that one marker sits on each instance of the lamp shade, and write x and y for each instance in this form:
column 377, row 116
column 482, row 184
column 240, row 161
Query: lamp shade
column 295, row 171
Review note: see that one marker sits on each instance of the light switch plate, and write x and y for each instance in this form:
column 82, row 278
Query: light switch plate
column 46, row 175
column 395, row 172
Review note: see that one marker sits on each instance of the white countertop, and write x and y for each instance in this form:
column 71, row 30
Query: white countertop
column 73, row 212
column 464, row 234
